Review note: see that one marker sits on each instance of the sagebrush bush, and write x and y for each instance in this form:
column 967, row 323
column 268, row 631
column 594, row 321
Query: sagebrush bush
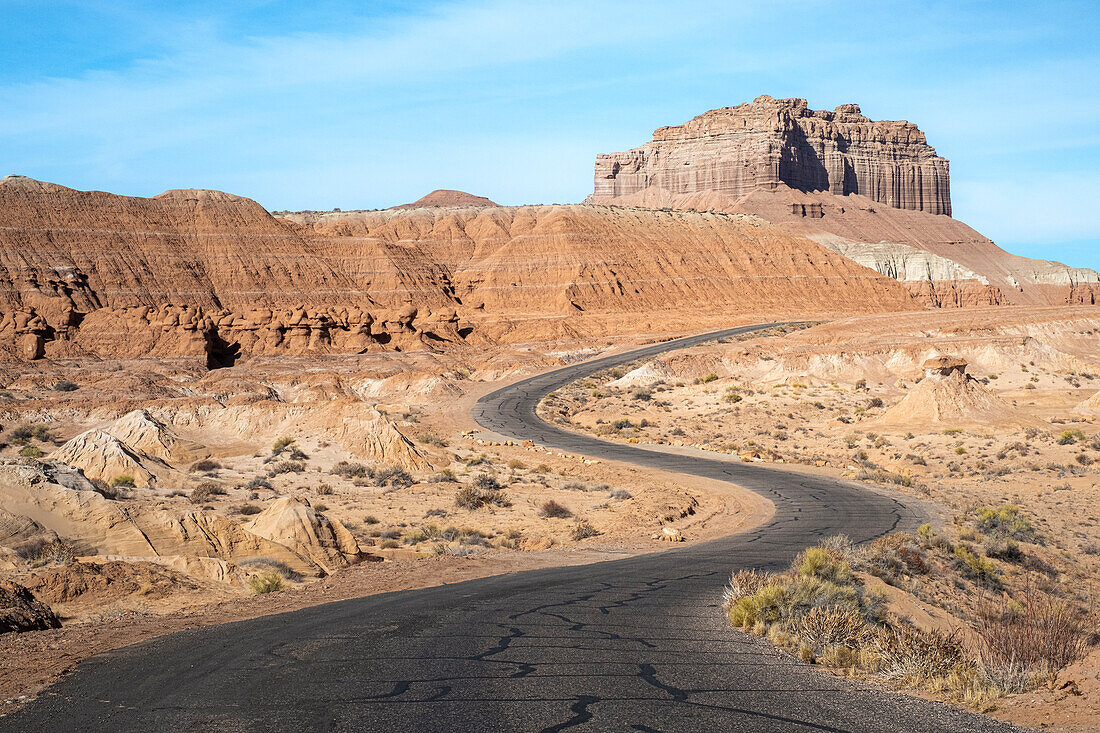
column 552, row 509
column 1004, row 521
column 583, row 529
column 349, row 470
column 124, row 480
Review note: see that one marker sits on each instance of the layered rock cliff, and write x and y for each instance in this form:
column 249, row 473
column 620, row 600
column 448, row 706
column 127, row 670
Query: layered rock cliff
column 214, row 276
column 760, row 145
column 872, row 191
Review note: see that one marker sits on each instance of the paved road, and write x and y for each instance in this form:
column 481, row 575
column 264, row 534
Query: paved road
column 628, row 645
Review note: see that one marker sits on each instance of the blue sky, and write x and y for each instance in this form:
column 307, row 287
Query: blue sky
column 365, row 105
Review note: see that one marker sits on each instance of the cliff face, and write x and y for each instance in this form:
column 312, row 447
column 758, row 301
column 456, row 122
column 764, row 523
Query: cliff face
column 210, row 275
column 759, row 146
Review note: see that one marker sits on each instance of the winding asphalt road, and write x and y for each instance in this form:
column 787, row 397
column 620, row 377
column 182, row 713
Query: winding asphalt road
column 628, row 645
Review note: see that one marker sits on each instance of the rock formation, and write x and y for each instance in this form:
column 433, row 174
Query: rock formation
column 758, row 146
column 101, row 455
column 447, row 197
column 294, row 524
column 62, row 501
column 21, row 611
column 215, row 277
column 949, row 396
column 872, row 191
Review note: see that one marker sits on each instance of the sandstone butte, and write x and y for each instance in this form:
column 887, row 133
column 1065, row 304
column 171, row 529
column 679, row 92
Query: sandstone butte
column 210, row 275
column 874, row 191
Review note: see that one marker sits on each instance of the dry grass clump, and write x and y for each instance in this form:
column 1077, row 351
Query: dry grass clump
column 268, row 582
column 819, row 610
column 485, row 491
column 1026, row 640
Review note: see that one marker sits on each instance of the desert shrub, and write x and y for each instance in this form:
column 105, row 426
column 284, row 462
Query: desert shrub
column 825, row 626
column 473, row 497
column 55, row 552
column 268, row 582
column 370, row 519
column 1069, row 437
column 205, row 465
column 393, row 476
column 583, row 529
column 248, row 509
column 874, row 402
column 21, row 434
column 620, row 494
column 294, row 453
column 389, row 544
column 744, row 583
column 444, row 476
column 32, row 451
column 712, row 377
column 907, row 653
column 123, row 480
column 1004, row 521
column 515, row 464
column 485, row 482
column 819, row 562
column 281, row 444
column 881, row 476
column 324, row 490
column 430, row 439
column 349, row 470
column 574, row 486
column 320, row 507
column 259, row 482
column 974, row 566
column 1003, row 549
column 205, row 491
column 435, row 513
column 1040, row 634
column 552, row 509
column 286, row 467
column 41, row 432
column 542, row 468
column 477, row 461
column 622, row 424
column 893, row 555
column 66, row 386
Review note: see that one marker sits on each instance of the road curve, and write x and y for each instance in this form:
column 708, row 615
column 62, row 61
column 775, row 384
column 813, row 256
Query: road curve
column 628, row 645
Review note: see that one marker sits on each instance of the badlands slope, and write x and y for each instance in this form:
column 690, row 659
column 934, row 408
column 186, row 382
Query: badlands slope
column 214, row 276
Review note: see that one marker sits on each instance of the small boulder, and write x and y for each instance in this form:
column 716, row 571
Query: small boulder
column 21, row 611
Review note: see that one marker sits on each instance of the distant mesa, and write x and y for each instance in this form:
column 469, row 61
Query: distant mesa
column 447, row 197
column 769, row 142
column 872, row 191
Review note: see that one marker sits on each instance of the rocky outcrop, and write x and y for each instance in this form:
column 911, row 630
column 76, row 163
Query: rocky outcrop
column 760, row 145
column 949, row 396
column 295, row 524
column 21, row 611
column 62, row 501
column 101, row 455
